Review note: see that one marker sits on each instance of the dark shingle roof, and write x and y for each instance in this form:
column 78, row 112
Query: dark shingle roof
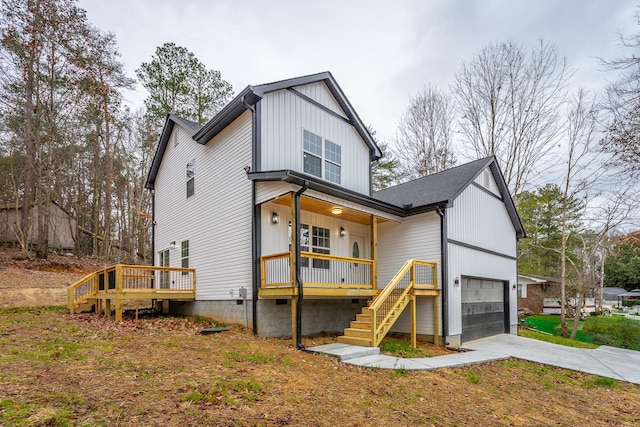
column 436, row 189
column 188, row 125
column 441, row 189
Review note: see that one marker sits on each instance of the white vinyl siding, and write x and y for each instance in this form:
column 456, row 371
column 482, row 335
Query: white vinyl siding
column 479, row 219
column 285, row 115
column 473, row 263
column 217, row 219
column 485, row 179
column 416, row 237
column 275, row 237
column 318, row 92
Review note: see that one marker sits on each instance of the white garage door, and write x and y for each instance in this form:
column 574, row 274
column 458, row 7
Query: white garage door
column 483, row 308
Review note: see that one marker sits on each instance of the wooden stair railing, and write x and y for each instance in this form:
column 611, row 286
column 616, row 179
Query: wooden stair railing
column 375, row 321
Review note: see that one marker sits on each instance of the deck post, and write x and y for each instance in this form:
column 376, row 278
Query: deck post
column 107, row 307
column 374, row 252
column 414, row 339
column 118, row 292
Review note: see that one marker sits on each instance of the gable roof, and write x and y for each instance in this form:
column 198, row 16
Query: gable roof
column 170, row 121
column 442, row 188
column 252, row 94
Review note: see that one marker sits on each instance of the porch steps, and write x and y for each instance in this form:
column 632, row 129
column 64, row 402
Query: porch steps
column 359, row 332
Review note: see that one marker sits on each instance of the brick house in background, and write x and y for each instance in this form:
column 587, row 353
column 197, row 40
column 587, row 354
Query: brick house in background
column 533, row 289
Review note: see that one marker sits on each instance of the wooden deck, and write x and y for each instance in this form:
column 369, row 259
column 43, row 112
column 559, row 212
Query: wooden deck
column 131, row 282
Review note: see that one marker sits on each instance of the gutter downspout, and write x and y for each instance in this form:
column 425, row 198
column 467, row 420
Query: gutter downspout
column 254, row 225
column 305, row 185
column 153, row 226
column 444, row 262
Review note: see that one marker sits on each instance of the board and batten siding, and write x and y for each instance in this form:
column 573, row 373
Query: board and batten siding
column 284, row 117
column 318, row 92
column 217, row 218
column 416, row 237
column 481, row 220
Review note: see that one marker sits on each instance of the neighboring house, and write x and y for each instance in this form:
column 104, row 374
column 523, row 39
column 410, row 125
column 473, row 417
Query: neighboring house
column 294, row 155
column 62, row 226
column 533, row 289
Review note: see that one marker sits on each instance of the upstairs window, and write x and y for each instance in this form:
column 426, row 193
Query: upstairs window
column 322, row 155
column 191, row 171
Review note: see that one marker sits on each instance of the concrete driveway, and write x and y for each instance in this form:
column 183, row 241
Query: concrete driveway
column 604, row 361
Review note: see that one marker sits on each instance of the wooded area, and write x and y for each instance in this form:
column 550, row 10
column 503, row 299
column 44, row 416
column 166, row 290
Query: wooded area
column 569, row 156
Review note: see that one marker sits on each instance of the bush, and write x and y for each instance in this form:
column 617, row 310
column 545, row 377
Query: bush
column 630, row 302
column 623, row 333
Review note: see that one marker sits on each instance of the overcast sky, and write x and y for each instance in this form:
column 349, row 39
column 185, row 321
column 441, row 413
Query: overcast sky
column 380, row 52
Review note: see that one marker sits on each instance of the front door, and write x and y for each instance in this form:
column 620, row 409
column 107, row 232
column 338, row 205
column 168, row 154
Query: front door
column 358, row 272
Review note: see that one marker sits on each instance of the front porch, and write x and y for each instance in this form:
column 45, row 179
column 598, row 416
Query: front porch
column 322, row 275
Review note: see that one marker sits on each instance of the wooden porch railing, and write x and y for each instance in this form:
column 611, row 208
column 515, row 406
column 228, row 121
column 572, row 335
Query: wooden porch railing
column 389, row 304
column 318, row 271
column 121, row 281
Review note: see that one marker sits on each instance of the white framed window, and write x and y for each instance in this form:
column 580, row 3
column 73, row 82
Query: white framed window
column 321, row 158
column 184, row 254
column 191, row 173
column 320, row 244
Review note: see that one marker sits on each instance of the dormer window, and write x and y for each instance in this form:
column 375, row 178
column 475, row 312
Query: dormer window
column 322, row 158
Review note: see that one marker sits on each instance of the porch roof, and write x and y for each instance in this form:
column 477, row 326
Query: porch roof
column 297, row 178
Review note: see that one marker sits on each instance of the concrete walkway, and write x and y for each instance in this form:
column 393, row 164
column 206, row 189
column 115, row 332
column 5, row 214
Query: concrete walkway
column 604, row 361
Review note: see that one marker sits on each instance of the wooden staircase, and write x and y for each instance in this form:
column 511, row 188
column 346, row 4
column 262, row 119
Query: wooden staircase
column 375, row 320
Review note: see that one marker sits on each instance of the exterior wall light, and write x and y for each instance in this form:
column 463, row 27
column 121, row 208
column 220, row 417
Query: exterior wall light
column 336, row 210
column 343, row 232
column 275, row 218
column 173, row 245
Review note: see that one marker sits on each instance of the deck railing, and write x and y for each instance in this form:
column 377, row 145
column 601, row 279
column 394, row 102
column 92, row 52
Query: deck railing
column 317, row 271
column 388, row 305
column 128, row 280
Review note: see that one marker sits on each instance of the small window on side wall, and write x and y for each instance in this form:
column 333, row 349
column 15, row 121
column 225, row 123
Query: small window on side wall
column 191, row 171
column 184, row 255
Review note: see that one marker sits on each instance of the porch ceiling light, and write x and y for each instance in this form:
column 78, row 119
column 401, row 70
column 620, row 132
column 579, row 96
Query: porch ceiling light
column 275, row 218
column 336, row 210
column 343, row 232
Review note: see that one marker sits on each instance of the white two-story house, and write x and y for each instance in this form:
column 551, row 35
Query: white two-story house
column 271, row 203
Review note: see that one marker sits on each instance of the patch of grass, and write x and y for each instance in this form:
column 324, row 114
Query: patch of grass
column 247, row 357
column 399, row 372
column 601, row 382
column 15, row 413
column 615, row 332
column 399, row 348
column 555, row 339
column 473, row 377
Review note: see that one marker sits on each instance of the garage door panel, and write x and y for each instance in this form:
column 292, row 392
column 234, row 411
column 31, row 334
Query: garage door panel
column 483, row 308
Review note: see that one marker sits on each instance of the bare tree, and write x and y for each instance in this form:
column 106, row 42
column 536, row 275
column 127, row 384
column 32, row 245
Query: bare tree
column 622, row 103
column 509, row 104
column 424, row 138
column 580, row 175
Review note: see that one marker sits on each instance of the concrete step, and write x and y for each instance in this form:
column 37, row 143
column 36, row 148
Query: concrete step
column 346, row 351
column 356, row 341
column 358, row 333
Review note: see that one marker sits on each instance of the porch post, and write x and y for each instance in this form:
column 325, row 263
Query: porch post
column 293, row 278
column 374, row 251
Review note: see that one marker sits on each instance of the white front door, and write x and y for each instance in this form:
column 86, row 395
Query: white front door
column 359, row 273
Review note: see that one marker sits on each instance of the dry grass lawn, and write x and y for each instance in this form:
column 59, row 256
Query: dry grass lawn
column 61, row 369
column 58, row 369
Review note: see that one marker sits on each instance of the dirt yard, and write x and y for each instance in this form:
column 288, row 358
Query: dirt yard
column 62, row 369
